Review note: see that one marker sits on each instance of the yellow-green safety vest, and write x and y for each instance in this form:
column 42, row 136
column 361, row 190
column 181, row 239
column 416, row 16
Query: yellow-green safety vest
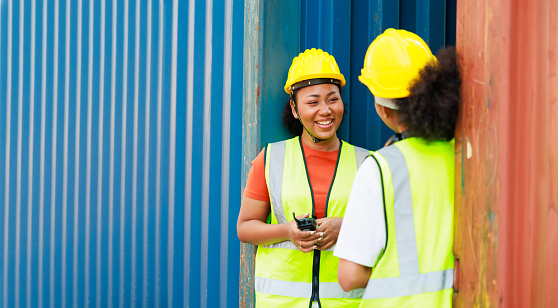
column 416, row 268
column 285, row 276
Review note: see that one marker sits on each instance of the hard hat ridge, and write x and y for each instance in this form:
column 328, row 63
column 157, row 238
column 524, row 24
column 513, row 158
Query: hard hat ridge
column 313, row 64
column 393, row 62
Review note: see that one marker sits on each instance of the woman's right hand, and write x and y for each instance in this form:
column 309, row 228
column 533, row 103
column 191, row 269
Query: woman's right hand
column 305, row 241
column 252, row 227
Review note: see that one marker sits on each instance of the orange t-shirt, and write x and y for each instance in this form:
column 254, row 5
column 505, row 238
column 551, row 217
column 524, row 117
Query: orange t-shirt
column 321, row 166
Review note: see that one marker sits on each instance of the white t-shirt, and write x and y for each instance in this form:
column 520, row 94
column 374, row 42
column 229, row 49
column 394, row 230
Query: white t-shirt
column 363, row 232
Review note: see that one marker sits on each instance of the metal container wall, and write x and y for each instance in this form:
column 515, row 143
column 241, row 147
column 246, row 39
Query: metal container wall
column 120, row 153
column 345, row 29
column 507, row 159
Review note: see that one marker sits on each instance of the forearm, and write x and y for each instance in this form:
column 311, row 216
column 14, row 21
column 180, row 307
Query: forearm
column 259, row 233
column 352, row 275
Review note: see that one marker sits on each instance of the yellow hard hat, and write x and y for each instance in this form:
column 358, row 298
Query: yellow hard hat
column 392, row 63
column 313, row 64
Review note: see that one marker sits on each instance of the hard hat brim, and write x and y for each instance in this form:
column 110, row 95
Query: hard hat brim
column 339, row 77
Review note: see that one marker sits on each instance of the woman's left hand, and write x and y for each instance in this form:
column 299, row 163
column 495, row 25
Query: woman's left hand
column 328, row 228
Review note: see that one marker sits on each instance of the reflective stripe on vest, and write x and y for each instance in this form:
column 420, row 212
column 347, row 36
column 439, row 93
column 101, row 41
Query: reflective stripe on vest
column 302, row 289
column 410, row 280
column 290, row 245
column 361, row 155
column 277, row 162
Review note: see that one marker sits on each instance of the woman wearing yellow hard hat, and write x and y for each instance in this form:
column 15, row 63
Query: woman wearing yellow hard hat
column 405, row 259
column 309, row 176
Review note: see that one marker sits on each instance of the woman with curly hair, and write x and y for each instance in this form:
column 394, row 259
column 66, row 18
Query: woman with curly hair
column 397, row 235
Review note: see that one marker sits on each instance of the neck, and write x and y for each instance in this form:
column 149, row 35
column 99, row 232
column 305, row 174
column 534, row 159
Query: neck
column 393, row 122
column 401, row 128
column 330, row 144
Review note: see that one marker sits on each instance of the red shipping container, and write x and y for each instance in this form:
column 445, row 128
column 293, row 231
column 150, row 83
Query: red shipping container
column 507, row 159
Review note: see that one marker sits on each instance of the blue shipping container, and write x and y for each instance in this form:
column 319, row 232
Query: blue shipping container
column 119, row 164
column 124, row 145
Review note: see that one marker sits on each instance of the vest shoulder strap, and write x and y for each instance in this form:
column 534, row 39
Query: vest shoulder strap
column 274, row 170
column 361, row 154
column 410, row 280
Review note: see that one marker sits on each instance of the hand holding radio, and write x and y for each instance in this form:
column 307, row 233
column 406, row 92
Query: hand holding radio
column 323, row 232
column 328, row 230
column 302, row 232
column 306, row 224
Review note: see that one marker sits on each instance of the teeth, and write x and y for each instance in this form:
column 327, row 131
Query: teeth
column 324, row 122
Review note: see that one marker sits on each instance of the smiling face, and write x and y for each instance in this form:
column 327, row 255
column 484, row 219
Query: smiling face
column 321, row 109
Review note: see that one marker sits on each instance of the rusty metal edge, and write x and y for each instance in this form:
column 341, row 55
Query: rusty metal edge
column 251, row 139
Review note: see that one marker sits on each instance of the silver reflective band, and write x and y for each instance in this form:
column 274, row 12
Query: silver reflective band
column 290, row 245
column 284, row 245
column 302, row 289
column 361, row 154
column 276, row 164
column 409, row 285
column 407, row 252
column 410, row 281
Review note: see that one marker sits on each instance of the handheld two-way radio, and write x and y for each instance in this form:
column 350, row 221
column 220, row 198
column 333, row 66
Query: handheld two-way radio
column 306, row 224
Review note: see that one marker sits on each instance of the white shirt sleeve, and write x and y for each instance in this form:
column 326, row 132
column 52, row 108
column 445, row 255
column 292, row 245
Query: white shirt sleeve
column 363, row 232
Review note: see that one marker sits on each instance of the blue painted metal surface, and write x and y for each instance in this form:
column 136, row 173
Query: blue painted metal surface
column 326, row 25
column 281, row 34
column 370, row 19
column 346, row 28
column 119, row 161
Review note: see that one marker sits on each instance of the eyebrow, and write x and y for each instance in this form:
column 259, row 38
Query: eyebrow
column 316, row 95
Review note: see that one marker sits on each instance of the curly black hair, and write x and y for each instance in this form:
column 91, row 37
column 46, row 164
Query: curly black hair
column 430, row 112
column 293, row 124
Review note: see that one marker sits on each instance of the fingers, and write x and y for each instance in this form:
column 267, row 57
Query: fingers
column 307, row 241
column 327, row 241
column 323, row 238
column 305, row 235
column 321, row 243
column 326, row 246
column 304, row 240
column 323, row 224
column 331, row 226
column 315, row 241
column 296, row 234
column 305, row 247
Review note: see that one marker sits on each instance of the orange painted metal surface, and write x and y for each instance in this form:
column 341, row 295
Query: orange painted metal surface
column 529, row 254
column 507, row 159
column 477, row 153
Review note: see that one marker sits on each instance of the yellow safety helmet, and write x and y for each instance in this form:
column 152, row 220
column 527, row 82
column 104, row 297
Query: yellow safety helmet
column 315, row 66
column 393, row 62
